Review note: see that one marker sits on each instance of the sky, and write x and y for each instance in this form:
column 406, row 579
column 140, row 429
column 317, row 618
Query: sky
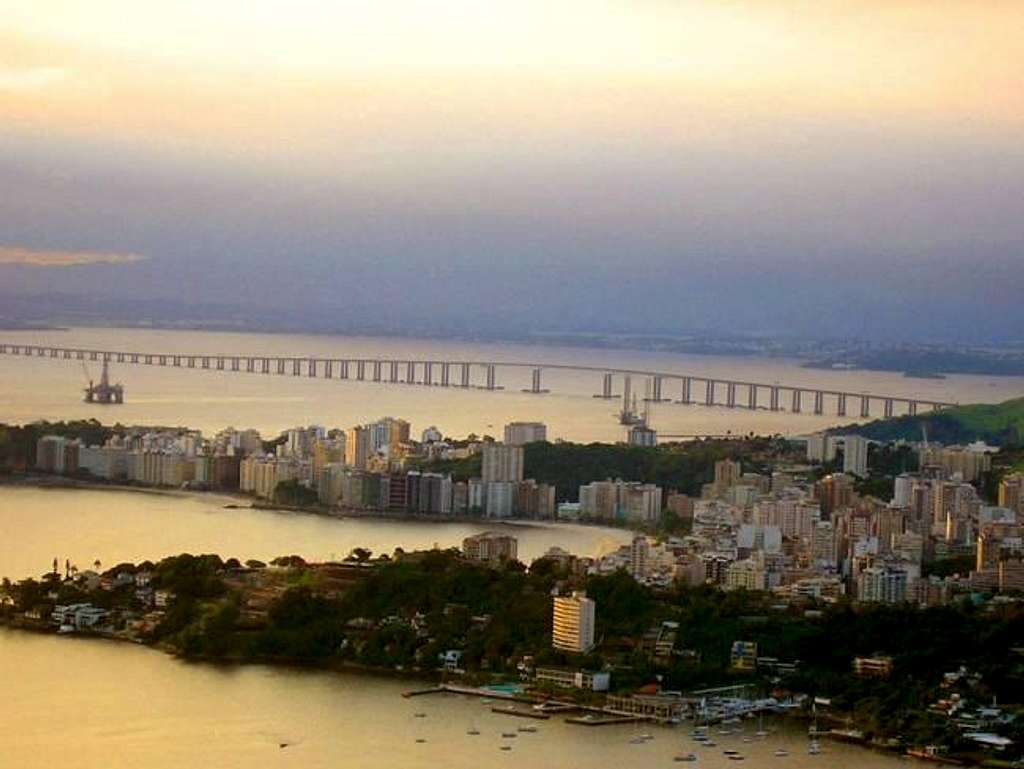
column 785, row 167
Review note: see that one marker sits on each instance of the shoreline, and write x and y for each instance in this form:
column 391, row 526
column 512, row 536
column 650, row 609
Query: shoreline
column 239, row 501
column 435, row 681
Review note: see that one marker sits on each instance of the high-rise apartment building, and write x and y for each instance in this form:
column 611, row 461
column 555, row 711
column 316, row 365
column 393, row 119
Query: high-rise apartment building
column 834, row 492
column 855, row 455
column 501, row 463
column 490, row 547
column 358, row 447
column 521, row 433
column 727, row 473
column 967, row 462
column 1011, row 492
column 821, row 448
column 573, row 623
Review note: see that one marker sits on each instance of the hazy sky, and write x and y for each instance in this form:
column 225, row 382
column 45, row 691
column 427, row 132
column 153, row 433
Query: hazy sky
column 760, row 165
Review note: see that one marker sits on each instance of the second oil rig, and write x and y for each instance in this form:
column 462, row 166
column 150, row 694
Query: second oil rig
column 103, row 392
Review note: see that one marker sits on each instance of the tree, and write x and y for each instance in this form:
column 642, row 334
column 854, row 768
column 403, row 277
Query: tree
column 359, row 554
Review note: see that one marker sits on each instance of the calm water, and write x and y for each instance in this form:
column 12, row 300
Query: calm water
column 101, row 704
column 116, row 526
column 41, row 388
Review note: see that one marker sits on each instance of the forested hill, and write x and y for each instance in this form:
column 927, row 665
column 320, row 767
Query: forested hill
column 999, row 424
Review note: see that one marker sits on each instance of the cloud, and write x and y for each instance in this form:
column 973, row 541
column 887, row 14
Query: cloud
column 31, row 78
column 43, row 258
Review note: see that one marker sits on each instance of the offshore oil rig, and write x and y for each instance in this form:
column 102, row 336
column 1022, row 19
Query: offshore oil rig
column 103, row 392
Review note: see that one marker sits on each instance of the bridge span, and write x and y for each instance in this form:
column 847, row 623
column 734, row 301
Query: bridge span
column 659, row 386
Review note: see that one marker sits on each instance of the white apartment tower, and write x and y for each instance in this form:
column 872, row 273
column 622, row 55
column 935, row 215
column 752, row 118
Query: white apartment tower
column 501, row 462
column 573, row 623
column 521, row 433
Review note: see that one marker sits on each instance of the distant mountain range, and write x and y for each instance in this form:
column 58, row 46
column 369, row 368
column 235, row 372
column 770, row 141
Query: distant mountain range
column 999, row 424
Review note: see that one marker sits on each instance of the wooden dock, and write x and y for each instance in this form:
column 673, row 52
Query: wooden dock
column 603, row 720
column 512, row 711
column 421, row 692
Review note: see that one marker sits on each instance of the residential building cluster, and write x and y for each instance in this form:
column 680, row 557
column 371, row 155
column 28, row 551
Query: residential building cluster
column 800, row 538
column 366, row 467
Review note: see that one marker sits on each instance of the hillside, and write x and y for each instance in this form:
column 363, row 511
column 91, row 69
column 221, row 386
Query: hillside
column 998, row 424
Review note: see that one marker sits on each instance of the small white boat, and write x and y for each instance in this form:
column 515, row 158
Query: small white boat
column 780, row 753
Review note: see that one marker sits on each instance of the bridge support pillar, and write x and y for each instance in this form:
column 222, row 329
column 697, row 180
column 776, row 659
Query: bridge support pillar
column 865, row 406
column 393, row 372
column 796, row 402
column 730, row 395
column 490, row 377
column 311, row 367
column 296, row 367
column 191, row 361
column 912, row 408
column 377, row 370
column 120, row 356
column 841, row 404
column 819, row 402
column 343, row 369
column 773, row 398
column 535, row 387
column 709, row 394
column 328, row 369
column 752, row 397
column 656, row 389
column 686, row 391
column 410, row 372
column 360, row 370
column 606, row 387
column 250, row 365
column 206, row 361
column 888, row 408
column 428, row 373
column 175, row 361
column 446, row 374
column 464, row 375
column 265, row 364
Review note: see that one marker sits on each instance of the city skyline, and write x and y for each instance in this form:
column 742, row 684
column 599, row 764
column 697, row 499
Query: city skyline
column 780, row 167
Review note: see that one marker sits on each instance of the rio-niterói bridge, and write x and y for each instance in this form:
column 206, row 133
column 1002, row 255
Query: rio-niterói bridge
column 659, row 386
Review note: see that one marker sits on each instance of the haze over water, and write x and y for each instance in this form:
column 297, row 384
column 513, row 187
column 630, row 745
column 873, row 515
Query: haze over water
column 41, row 388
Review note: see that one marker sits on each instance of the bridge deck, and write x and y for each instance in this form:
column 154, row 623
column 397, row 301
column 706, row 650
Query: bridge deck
column 694, row 388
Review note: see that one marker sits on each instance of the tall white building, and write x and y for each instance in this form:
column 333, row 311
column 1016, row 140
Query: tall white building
column 501, row 462
column 521, row 433
column 821, row 448
column 573, row 623
column 855, row 455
